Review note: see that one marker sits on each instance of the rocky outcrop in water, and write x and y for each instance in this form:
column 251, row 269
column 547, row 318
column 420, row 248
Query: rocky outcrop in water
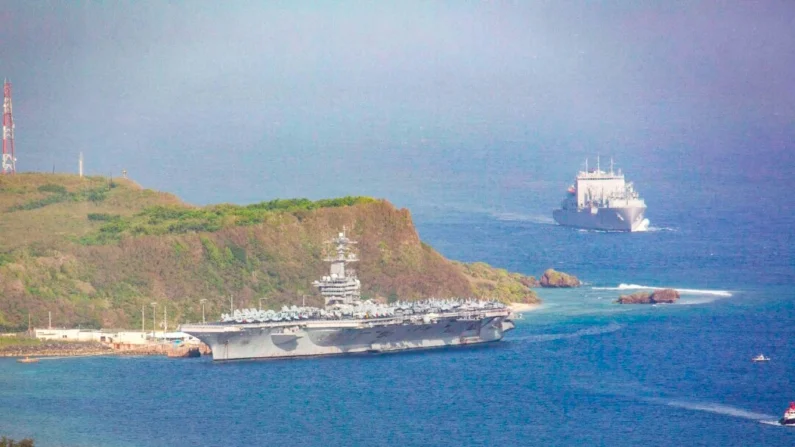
column 555, row 279
column 666, row 296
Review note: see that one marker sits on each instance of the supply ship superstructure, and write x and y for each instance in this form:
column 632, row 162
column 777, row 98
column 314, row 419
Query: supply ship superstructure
column 600, row 200
column 348, row 325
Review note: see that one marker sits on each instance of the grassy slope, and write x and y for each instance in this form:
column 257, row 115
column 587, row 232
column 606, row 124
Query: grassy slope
column 145, row 247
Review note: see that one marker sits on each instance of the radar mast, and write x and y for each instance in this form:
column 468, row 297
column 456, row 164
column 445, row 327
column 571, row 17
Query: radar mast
column 341, row 287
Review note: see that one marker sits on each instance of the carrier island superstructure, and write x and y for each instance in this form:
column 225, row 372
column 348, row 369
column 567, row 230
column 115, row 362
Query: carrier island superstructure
column 348, row 325
column 600, row 200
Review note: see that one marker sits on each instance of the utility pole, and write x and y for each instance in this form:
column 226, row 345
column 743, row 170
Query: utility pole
column 143, row 326
column 165, row 319
column 231, row 303
column 49, row 319
column 154, row 323
column 202, row 301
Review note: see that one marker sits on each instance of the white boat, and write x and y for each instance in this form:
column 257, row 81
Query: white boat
column 789, row 415
column 760, row 358
column 602, row 200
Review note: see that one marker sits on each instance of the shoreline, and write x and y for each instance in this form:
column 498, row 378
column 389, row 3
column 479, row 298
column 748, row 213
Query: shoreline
column 76, row 350
column 523, row 307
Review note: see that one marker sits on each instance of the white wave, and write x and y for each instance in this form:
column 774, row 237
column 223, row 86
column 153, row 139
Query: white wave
column 726, row 410
column 723, row 293
column 591, row 230
column 656, row 229
column 693, row 302
column 516, row 217
column 643, row 227
column 595, row 330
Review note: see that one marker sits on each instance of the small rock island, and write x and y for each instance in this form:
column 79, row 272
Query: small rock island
column 666, row 296
column 554, row 279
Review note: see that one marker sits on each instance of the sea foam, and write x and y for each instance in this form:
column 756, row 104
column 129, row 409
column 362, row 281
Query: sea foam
column 723, row 293
column 516, row 217
column 708, row 407
column 726, row 410
column 593, row 330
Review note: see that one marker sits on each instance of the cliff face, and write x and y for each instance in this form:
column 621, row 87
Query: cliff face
column 96, row 261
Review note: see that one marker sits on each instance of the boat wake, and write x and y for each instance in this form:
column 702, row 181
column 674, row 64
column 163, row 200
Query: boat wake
column 725, row 410
column 516, row 217
column 641, row 393
column 595, row 330
column 721, row 293
column 632, row 392
column 658, row 229
column 591, row 230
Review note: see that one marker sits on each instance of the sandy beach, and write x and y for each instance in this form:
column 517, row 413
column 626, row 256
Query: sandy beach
column 524, row 307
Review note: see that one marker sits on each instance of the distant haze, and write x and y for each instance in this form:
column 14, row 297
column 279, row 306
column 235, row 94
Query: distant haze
column 430, row 104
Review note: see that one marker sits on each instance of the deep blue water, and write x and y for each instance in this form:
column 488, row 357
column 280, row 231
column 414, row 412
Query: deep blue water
column 579, row 371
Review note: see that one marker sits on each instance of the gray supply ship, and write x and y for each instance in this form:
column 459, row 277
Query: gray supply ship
column 600, row 200
column 349, row 325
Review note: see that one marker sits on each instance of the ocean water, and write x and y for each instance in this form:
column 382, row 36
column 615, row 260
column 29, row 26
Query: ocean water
column 579, row 371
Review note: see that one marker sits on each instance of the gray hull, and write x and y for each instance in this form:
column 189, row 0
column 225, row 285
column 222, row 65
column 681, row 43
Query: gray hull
column 336, row 337
column 605, row 219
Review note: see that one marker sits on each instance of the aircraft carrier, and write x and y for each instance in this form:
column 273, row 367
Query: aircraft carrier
column 600, row 200
column 348, row 325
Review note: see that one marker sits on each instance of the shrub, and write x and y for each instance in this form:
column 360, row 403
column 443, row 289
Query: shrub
column 96, row 195
column 5, row 442
column 160, row 220
column 61, row 195
column 49, row 187
column 5, row 258
column 103, row 217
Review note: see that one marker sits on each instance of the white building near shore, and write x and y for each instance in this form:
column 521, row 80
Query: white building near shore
column 110, row 336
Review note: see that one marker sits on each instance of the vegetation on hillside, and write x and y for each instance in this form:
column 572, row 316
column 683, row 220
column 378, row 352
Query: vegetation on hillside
column 162, row 220
column 499, row 283
column 555, row 279
column 57, row 194
column 102, row 263
column 45, row 211
column 6, row 442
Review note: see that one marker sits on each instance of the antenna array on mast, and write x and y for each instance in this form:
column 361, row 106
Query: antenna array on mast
column 8, row 163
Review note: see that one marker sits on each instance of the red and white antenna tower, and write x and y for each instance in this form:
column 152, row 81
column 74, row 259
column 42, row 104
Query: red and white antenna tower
column 9, row 161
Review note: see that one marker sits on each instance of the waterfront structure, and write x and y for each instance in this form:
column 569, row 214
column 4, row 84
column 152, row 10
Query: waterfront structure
column 600, row 200
column 348, row 325
column 112, row 336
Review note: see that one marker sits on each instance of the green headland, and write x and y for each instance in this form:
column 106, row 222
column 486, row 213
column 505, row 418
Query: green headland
column 93, row 251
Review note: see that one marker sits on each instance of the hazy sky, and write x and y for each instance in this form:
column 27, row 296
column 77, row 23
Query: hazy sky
column 246, row 101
